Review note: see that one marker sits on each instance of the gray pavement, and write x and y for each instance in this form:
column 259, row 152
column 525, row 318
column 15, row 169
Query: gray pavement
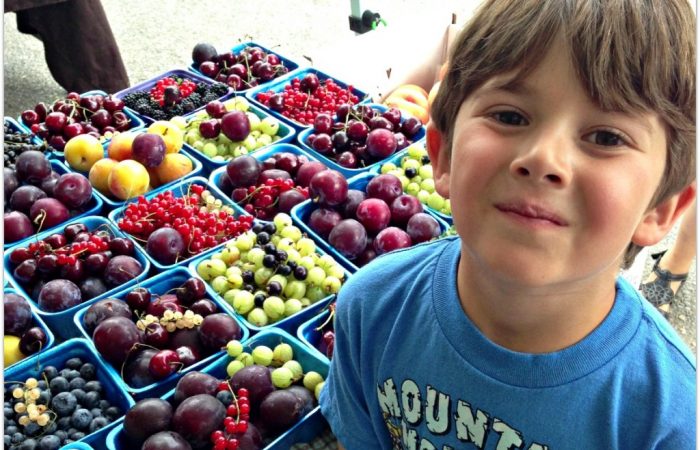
column 158, row 36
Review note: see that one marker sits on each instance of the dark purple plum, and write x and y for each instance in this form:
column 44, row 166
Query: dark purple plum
column 24, row 197
column 281, row 409
column 165, row 245
column 148, row 149
column 17, row 314
column 166, row 440
column 217, row 330
column 235, row 125
column 17, row 226
column 422, row 227
column 115, row 338
column 197, row 417
column 195, row 383
column 322, row 221
column 73, row 190
column 147, row 417
column 136, row 372
column 256, row 379
column 243, row 171
column 59, row 295
column 32, row 166
column 102, row 310
column 121, row 269
column 349, row 237
column 48, row 212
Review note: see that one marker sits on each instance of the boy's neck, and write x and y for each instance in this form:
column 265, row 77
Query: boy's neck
column 540, row 320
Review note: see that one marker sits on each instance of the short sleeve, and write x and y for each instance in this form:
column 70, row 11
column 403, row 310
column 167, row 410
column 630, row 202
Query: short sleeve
column 343, row 402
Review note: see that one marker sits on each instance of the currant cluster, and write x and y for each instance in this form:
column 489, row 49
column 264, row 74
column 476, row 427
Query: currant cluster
column 261, row 200
column 171, row 320
column 304, row 98
column 172, row 90
column 201, row 221
column 236, row 421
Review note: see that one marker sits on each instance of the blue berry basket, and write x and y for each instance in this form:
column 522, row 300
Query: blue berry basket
column 57, row 356
column 310, row 336
column 302, row 211
column 94, row 206
column 279, row 84
column 134, row 119
column 288, row 63
column 179, row 189
column 61, row 322
column 261, row 155
column 36, row 321
column 159, row 284
column 310, row 426
column 396, row 160
column 110, row 203
column 19, row 127
column 349, row 173
column 286, row 134
column 179, row 73
column 77, row 446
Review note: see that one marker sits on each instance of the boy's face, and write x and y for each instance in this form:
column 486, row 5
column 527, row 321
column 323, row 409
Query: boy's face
column 546, row 188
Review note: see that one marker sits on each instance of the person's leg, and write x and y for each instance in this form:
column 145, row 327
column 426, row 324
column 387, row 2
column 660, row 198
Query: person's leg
column 80, row 49
column 678, row 258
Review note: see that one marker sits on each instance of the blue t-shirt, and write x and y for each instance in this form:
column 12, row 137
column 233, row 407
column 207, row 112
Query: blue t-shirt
column 411, row 371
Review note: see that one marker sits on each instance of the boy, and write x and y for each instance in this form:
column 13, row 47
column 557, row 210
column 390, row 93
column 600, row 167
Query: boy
column 563, row 133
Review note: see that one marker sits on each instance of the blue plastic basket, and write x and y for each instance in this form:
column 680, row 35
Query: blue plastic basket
column 94, row 206
column 279, row 84
column 37, row 321
column 77, row 446
column 288, row 63
column 310, row 336
column 349, row 173
column 57, row 356
column 110, row 203
column 134, row 119
column 302, row 211
column 286, row 133
column 305, row 430
column 396, row 160
column 160, row 284
column 179, row 189
column 61, row 322
column 261, row 155
column 179, row 73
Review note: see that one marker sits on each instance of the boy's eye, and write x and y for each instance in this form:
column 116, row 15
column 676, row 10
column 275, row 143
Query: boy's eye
column 509, row 118
column 606, row 138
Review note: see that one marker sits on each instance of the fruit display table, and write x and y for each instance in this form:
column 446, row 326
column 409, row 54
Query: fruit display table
column 173, row 250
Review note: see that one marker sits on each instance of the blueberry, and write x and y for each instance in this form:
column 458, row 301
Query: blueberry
column 58, row 384
column 49, row 442
column 41, row 384
column 257, row 228
column 64, row 373
column 50, row 372
column 29, row 444
column 74, row 363
column 410, row 172
column 94, row 385
column 63, row 423
column 225, row 397
column 50, row 428
column 104, row 404
column 76, row 383
column 263, row 238
column 11, row 430
column 91, row 400
column 270, row 248
column 97, row 423
column 17, row 438
column 112, row 412
column 79, row 395
column 44, row 398
column 73, row 374
column 7, row 441
column 61, row 434
column 32, row 429
column 64, row 403
column 88, row 371
column 9, row 412
column 81, row 418
column 96, row 412
column 78, row 435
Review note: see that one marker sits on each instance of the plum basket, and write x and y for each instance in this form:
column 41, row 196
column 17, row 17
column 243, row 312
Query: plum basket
column 36, row 321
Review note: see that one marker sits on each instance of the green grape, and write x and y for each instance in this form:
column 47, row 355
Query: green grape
column 281, row 279
column 318, row 389
column 326, row 262
column 217, row 256
column 306, row 246
column 257, row 317
column 243, row 302
column 233, row 367
column 262, row 355
column 220, row 284
column 285, row 244
column 245, row 241
column 447, row 208
column 275, row 239
column 305, row 301
column 282, row 220
column 210, row 149
column 234, row 348
column 230, row 295
column 315, row 293
column 293, row 255
column 435, row 201
column 311, row 379
column 292, row 306
column 315, row 276
column 416, row 151
column 295, row 289
column 211, row 268
column 262, row 275
column 230, row 254
column 292, row 232
column 397, row 173
column 426, row 172
column 428, row 185
column 410, row 163
column 274, row 308
column 282, row 353
column 254, row 121
column 423, row 196
column 235, row 280
column 336, row 271
column 307, row 261
column 331, row 285
column 282, row 377
column 413, row 188
column 246, row 358
column 296, row 369
column 404, row 181
column 387, row 167
column 255, row 256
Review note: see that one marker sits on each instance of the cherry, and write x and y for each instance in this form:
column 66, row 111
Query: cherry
column 164, row 363
column 138, row 299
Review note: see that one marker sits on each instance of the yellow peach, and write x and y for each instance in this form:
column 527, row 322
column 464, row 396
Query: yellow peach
column 128, row 179
column 99, row 173
column 173, row 167
column 119, row 147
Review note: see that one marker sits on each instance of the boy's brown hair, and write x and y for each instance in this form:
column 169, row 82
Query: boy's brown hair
column 630, row 55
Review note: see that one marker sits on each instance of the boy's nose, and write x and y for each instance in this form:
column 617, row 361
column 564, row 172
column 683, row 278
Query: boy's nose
column 543, row 160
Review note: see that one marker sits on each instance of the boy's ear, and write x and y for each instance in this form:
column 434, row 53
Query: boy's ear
column 659, row 220
column 439, row 159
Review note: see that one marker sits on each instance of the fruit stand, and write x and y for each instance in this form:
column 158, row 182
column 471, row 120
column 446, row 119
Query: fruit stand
column 173, row 251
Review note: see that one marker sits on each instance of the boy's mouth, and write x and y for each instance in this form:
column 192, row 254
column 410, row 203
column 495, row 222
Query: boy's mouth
column 529, row 210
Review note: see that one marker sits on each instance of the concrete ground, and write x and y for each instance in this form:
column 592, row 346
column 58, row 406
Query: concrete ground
column 158, row 36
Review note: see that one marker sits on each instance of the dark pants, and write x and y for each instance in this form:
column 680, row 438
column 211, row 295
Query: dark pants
column 80, row 49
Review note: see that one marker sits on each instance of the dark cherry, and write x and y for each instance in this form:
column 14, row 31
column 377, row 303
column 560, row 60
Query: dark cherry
column 138, row 299
column 121, row 246
column 72, row 230
column 204, row 307
column 157, row 335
